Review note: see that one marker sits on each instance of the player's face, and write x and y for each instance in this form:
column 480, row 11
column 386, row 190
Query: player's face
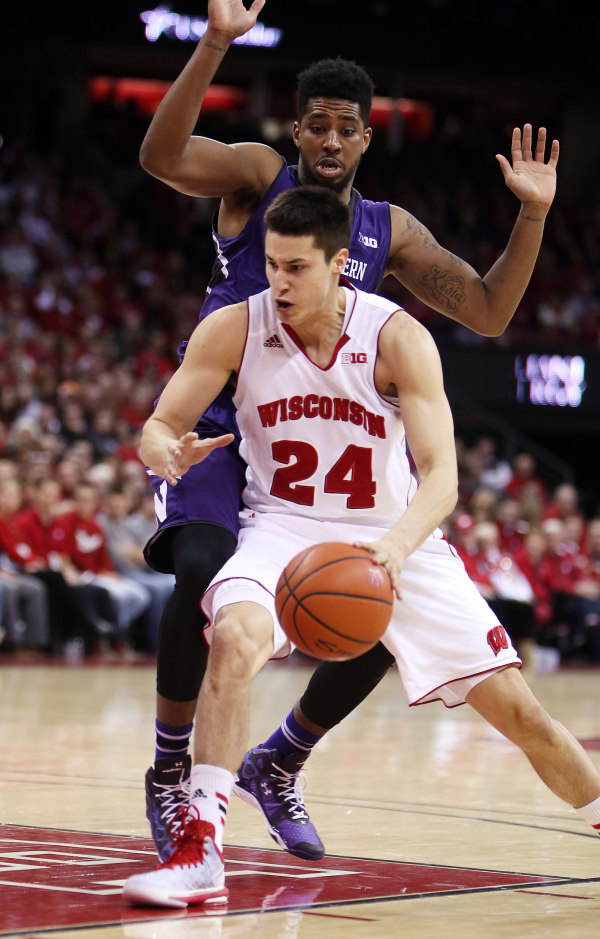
column 303, row 284
column 331, row 138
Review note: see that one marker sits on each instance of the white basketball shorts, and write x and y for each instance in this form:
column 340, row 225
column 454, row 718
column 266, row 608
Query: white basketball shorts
column 443, row 635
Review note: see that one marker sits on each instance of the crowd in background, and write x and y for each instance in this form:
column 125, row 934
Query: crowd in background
column 102, row 273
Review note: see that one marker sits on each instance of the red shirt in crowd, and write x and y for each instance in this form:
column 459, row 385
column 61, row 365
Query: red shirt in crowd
column 83, row 541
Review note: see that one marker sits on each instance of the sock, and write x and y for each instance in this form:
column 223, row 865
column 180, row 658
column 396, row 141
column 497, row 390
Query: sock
column 210, row 790
column 591, row 813
column 290, row 738
column 172, row 741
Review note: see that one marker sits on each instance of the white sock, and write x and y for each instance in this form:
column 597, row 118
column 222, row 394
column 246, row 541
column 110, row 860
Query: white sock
column 210, row 790
column 591, row 813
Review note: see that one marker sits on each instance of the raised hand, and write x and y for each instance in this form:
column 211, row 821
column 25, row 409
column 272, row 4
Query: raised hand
column 189, row 450
column 530, row 178
column 231, row 18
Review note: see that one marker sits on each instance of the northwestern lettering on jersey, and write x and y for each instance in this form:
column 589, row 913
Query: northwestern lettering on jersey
column 354, row 269
column 323, row 407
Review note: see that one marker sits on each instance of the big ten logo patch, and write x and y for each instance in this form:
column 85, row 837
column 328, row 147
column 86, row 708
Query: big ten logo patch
column 497, row 639
column 354, row 358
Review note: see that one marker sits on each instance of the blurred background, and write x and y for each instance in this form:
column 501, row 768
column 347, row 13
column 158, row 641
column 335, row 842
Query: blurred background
column 103, row 269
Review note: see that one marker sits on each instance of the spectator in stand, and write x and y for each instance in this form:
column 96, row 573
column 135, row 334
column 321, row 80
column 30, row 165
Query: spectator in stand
column 85, row 608
column 524, row 472
column 492, row 471
column 25, row 612
column 125, row 545
column 483, row 504
column 532, row 558
column 85, row 545
column 564, row 503
column 576, row 596
column 512, row 529
column 531, row 505
column 512, row 597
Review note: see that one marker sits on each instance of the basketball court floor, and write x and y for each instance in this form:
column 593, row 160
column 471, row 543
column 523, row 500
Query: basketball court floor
column 434, row 824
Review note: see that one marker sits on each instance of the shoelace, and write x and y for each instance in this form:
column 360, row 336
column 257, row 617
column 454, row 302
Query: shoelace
column 169, row 796
column 188, row 831
column 289, row 788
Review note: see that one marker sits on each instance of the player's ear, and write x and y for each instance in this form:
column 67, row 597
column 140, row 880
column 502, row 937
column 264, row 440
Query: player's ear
column 367, row 135
column 338, row 261
column 296, row 133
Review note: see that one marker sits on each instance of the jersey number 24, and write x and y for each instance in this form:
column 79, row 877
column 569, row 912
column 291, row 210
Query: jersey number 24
column 352, row 474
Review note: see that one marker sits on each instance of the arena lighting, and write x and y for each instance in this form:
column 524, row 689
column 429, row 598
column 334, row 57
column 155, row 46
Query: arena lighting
column 148, row 93
column 554, row 380
column 162, row 21
column 416, row 116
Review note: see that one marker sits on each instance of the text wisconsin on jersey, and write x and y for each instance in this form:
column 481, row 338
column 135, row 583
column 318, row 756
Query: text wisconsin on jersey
column 324, row 407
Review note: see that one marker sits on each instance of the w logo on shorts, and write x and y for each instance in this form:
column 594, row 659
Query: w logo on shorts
column 497, row 639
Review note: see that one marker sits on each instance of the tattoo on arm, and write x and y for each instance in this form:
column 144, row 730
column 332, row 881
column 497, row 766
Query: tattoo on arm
column 532, row 218
column 213, row 45
column 414, row 227
column 443, row 289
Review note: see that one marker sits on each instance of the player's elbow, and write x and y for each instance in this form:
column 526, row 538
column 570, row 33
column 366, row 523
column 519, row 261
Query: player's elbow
column 150, row 160
column 156, row 162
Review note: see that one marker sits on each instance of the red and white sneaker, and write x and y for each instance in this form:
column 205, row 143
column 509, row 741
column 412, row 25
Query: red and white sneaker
column 194, row 873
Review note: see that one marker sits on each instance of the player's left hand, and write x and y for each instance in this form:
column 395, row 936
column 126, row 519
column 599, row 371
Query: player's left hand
column 531, row 179
column 384, row 554
column 189, row 450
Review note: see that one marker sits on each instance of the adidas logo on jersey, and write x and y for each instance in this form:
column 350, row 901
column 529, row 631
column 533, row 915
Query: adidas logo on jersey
column 274, row 342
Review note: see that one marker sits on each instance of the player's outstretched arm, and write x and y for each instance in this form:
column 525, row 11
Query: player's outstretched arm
column 169, row 444
column 199, row 166
column 450, row 285
column 408, row 365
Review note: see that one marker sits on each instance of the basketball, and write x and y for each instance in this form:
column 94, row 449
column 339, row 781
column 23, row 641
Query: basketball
column 334, row 601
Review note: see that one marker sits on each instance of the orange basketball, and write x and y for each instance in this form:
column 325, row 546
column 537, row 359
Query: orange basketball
column 334, row 601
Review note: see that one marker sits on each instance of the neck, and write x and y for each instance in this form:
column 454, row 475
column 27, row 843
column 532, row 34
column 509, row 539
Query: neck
column 320, row 334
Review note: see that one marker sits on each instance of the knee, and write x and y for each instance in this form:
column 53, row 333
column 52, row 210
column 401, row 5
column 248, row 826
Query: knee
column 530, row 725
column 237, row 650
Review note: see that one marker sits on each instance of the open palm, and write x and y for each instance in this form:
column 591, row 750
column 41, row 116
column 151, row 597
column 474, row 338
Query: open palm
column 530, row 177
column 231, row 17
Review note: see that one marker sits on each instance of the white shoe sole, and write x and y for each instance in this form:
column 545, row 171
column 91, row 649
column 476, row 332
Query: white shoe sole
column 145, row 895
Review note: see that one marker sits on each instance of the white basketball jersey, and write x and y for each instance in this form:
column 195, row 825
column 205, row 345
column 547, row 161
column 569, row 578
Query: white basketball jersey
column 321, row 442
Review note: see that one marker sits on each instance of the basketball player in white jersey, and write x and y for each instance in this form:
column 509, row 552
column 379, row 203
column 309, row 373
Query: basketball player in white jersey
column 331, row 384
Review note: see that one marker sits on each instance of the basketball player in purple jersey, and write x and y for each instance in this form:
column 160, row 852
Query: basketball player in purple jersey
column 198, row 519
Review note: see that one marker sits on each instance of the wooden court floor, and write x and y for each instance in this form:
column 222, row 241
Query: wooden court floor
column 434, row 824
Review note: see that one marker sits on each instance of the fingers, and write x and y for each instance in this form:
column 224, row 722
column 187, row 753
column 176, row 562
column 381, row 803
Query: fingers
column 540, row 146
column 382, row 558
column 189, row 450
column 522, row 146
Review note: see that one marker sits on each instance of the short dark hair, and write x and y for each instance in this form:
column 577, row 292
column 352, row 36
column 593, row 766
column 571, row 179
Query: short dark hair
column 336, row 78
column 311, row 210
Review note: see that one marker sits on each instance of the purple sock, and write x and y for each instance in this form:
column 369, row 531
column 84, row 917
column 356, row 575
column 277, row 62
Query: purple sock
column 172, row 741
column 290, row 737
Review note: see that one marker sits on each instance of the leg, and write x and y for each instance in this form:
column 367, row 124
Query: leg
column 197, row 552
column 506, row 702
column 34, row 604
column 242, row 641
column 241, row 644
column 270, row 777
column 337, row 688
